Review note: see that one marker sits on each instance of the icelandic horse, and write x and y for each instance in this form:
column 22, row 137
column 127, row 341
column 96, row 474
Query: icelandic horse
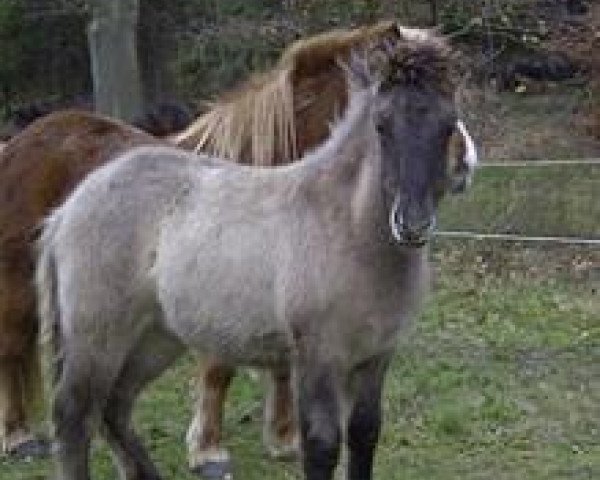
column 38, row 168
column 313, row 268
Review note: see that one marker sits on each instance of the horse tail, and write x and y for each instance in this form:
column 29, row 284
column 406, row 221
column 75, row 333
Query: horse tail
column 46, row 281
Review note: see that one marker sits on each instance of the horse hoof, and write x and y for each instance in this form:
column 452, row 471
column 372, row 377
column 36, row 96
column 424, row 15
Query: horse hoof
column 287, row 450
column 288, row 453
column 214, row 470
column 34, row 448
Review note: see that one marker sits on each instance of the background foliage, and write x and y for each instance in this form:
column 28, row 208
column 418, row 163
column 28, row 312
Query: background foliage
column 191, row 49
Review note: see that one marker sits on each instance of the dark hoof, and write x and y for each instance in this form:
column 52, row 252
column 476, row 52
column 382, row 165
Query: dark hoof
column 34, row 448
column 214, row 470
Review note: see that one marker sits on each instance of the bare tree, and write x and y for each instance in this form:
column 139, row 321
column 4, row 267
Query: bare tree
column 113, row 53
column 434, row 11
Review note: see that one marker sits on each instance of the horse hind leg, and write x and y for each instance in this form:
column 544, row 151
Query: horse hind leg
column 152, row 355
column 205, row 454
column 280, row 431
column 71, row 414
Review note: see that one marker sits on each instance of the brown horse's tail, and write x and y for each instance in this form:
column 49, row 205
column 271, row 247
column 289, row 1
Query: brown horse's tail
column 48, row 305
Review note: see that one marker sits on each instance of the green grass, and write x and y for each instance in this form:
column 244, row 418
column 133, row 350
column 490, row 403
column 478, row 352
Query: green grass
column 499, row 378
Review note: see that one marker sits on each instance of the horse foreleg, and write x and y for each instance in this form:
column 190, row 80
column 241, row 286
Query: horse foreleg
column 364, row 424
column 206, row 455
column 280, row 432
column 319, row 410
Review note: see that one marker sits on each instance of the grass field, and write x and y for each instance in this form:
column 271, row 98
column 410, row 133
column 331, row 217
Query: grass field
column 498, row 379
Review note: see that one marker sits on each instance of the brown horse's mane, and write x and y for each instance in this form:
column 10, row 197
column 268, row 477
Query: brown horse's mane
column 274, row 116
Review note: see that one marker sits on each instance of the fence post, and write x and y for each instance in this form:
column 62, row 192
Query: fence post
column 113, row 54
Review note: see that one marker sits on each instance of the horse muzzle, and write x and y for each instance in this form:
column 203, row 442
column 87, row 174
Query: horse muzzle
column 413, row 233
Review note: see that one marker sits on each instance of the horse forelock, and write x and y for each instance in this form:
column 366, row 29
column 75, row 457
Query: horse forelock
column 420, row 57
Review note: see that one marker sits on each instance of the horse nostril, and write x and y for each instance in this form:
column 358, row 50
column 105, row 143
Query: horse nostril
column 408, row 226
column 417, row 234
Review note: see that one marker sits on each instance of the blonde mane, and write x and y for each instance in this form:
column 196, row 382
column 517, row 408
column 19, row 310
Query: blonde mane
column 276, row 116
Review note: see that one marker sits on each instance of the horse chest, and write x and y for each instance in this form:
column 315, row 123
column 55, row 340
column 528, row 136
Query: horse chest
column 355, row 308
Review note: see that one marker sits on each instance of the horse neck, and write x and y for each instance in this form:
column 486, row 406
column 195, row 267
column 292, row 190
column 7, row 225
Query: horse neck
column 345, row 145
column 346, row 170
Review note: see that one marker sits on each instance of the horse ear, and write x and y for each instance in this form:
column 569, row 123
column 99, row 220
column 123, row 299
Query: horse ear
column 357, row 71
column 462, row 158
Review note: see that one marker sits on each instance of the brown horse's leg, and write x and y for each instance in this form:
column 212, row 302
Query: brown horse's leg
column 206, row 456
column 280, row 432
column 20, row 384
column 12, row 409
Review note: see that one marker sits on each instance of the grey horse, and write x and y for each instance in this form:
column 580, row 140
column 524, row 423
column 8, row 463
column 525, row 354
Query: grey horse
column 314, row 266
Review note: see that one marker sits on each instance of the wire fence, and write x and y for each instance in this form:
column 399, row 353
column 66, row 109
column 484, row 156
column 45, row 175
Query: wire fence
column 592, row 212
column 537, row 201
column 507, row 237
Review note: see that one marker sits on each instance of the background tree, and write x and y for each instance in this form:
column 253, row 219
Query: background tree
column 114, row 61
column 434, row 11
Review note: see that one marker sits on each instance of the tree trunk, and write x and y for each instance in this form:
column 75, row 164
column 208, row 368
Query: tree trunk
column 113, row 54
column 154, row 43
column 434, row 12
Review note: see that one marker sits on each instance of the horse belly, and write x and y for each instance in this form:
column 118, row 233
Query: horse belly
column 231, row 326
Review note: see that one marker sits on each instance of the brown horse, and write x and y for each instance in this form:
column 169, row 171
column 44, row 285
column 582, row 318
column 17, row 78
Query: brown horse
column 276, row 115
column 38, row 169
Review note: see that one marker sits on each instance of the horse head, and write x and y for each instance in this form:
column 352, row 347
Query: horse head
column 426, row 150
